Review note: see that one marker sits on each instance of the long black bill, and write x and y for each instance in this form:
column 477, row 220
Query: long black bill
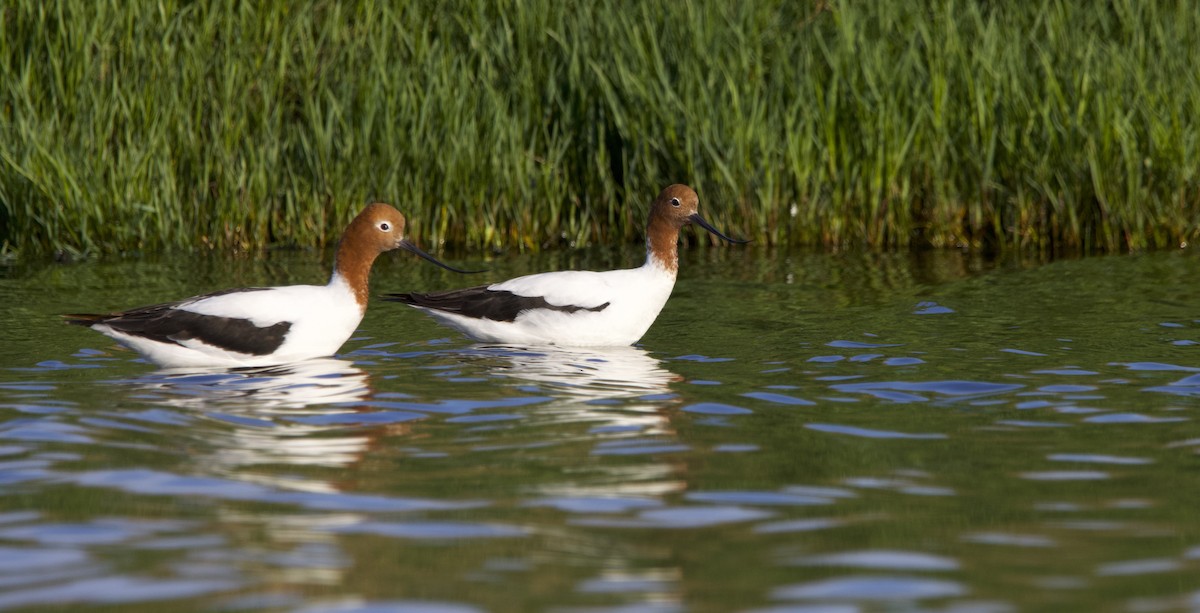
column 407, row 246
column 698, row 220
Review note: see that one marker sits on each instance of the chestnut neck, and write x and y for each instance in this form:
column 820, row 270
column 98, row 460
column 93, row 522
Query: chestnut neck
column 662, row 243
column 352, row 264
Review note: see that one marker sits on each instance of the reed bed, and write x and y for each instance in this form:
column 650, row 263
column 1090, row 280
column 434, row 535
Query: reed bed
column 527, row 124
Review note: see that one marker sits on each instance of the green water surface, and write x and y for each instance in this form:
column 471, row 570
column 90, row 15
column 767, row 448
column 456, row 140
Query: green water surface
column 797, row 432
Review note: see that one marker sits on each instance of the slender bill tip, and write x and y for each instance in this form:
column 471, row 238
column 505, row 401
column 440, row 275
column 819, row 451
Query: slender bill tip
column 698, row 220
column 408, row 246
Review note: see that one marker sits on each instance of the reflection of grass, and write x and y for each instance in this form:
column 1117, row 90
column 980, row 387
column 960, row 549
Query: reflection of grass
column 530, row 122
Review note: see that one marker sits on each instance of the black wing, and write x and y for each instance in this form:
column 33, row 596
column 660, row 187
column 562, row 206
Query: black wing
column 167, row 323
column 483, row 303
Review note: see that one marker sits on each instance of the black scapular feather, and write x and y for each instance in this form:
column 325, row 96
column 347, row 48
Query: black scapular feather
column 483, row 303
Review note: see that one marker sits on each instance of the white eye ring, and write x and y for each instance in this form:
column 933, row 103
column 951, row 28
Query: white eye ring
column 385, row 226
column 674, row 201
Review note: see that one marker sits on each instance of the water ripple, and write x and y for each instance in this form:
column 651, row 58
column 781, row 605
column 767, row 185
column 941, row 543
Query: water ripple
column 625, row 584
column 882, row 559
column 44, row 430
column 931, row 308
column 387, row 606
column 356, row 418
column 1005, row 538
column 1066, row 388
column 637, row 447
column 98, row 532
column 735, row 448
column 827, row 359
column 1190, row 380
column 716, row 408
column 1155, row 366
column 1065, row 475
column 945, row 388
column 820, row 491
column 1131, row 418
column 29, row 559
column 812, row 608
column 903, row 361
column 1022, row 423
column 157, row 483
column 455, row 406
column 779, row 398
column 798, row 525
column 1023, row 352
column 868, row 433
column 871, row 588
column 758, row 498
column 433, row 530
column 701, row 358
column 595, row 504
column 1097, row 458
column 858, row 345
column 115, row 590
column 679, row 518
column 1138, row 567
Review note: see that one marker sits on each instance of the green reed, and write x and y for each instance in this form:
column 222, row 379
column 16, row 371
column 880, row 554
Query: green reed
column 533, row 123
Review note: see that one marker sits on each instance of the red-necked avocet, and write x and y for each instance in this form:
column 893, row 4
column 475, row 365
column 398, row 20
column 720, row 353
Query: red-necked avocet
column 264, row 326
column 576, row 307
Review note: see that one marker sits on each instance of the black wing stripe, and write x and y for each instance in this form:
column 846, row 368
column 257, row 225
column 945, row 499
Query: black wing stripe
column 167, row 323
column 483, row 303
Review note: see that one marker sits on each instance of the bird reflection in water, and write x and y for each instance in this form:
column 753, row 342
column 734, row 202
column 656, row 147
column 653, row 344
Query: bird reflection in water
column 277, row 416
column 583, row 373
column 290, row 386
column 623, row 394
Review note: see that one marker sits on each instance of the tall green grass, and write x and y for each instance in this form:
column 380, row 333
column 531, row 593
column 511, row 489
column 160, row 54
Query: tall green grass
column 531, row 123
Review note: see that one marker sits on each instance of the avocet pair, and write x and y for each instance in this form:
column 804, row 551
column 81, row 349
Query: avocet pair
column 265, row 326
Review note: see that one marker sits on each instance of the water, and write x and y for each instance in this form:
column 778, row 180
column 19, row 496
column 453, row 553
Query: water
column 796, row 433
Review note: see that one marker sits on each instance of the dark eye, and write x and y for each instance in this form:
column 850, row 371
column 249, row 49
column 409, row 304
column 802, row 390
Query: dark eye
column 674, row 201
column 385, row 226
